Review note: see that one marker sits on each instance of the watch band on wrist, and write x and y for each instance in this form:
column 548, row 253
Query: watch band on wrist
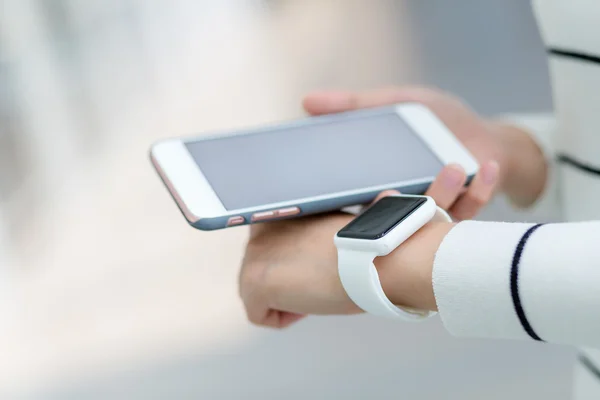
column 360, row 279
column 361, row 282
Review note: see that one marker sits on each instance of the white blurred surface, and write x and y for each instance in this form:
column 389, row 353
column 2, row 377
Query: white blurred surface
column 112, row 295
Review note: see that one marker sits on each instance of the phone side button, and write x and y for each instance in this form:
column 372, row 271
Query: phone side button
column 263, row 216
column 288, row 212
column 236, row 220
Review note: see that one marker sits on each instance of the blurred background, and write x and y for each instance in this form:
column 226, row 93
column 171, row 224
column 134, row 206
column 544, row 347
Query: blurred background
column 105, row 292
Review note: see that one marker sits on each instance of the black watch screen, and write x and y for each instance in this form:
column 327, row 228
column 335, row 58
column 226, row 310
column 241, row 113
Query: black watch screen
column 380, row 218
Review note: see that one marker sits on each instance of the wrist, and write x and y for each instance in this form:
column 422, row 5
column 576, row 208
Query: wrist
column 522, row 163
column 406, row 273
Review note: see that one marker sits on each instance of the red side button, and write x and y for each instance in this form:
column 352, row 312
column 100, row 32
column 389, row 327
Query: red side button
column 237, row 220
column 263, row 216
column 287, row 212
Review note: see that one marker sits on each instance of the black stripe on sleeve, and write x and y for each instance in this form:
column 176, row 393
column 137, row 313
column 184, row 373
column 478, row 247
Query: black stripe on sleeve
column 576, row 55
column 563, row 158
column 514, row 283
column 590, row 366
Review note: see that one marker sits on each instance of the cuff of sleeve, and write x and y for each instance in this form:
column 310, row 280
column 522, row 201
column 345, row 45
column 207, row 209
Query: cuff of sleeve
column 471, row 280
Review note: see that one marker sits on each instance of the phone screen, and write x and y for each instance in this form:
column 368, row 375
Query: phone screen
column 314, row 159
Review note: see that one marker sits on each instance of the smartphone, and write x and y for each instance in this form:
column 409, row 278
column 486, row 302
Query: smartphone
column 308, row 166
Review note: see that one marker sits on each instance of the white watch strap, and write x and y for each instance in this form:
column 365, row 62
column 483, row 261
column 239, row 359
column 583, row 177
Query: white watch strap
column 361, row 282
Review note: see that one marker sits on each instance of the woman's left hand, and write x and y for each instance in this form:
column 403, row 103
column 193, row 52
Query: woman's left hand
column 290, row 270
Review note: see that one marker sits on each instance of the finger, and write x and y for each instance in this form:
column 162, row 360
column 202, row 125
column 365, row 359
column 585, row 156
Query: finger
column 251, row 287
column 281, row 319
column 327, row 102
column 255, row 297
column 257, row 310
column 448, row 186
column 479, row 193
column 385, row 193
column 259, row 313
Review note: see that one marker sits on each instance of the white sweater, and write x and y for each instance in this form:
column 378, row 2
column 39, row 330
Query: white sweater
column 542, row 282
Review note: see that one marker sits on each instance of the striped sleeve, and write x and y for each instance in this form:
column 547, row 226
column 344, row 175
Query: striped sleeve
column 521, row 281
column 587, row 375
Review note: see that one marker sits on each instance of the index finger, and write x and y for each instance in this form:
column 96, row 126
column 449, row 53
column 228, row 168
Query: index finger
column 328, row 102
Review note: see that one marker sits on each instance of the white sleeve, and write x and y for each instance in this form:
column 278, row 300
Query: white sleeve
column 521, row 281
column 543, row 129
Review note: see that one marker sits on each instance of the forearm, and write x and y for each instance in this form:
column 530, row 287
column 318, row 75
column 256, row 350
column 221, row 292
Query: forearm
column 503, row 280
column 524, row 173
column 406, row 273
column 524, row 169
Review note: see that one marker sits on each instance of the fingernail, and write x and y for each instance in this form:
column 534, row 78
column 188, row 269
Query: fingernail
column 489, row 173
column 453, row 176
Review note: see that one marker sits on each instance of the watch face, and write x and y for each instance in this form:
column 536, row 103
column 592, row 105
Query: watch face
column 381, row 217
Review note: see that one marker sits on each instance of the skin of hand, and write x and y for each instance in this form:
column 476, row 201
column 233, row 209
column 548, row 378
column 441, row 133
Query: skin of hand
column 290, row 267
column 507, row 156
column 290, row 270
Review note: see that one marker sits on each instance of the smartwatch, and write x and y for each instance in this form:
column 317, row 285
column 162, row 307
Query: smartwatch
column 377, row 231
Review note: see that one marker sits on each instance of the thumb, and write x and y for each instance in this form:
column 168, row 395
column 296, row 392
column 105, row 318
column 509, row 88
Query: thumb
column 328, row 102
column 385, row 193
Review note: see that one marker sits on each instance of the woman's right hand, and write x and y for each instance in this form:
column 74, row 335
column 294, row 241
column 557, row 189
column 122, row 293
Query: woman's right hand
column 493, row 145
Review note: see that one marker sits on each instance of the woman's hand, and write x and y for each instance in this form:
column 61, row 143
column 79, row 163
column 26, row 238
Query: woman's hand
column 290, row 267
column 476, row 133
column 290, row 270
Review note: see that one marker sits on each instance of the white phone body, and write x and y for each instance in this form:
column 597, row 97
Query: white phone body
column 178, row 164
